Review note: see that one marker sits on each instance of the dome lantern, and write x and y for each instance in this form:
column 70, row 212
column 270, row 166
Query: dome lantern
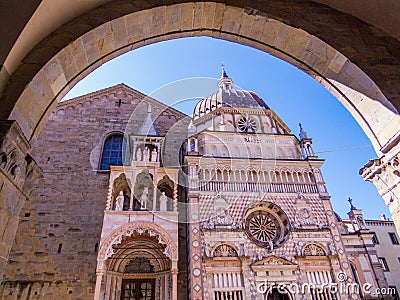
column 225, row 83
column 228, row 96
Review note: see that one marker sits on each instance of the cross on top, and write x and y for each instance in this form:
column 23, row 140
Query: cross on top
column 351, row 204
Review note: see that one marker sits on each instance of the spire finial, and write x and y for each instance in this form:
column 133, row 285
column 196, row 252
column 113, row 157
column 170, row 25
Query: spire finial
column 302, row 134
column 352, row 207
column 223, row 73
column 148, row 127
column 225, row 83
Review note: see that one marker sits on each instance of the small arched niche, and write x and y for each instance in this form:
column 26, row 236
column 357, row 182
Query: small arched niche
column 121, row 185
column 165, row 188
column 143, row 191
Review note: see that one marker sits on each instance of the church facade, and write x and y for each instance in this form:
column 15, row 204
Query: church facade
column 140, row 201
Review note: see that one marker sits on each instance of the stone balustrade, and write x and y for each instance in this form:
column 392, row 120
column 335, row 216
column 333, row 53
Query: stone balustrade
column 266, row 187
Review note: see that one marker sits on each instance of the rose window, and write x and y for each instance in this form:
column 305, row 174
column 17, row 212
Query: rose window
column 267, row 225
column 247, row 124
column 263, row 227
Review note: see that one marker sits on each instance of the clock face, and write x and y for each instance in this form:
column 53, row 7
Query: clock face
column 247, row 124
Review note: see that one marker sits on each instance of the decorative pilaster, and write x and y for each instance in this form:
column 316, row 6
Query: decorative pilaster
column 99, row 278
column 175, row 196
column 174, row 273
column 344, row 265
column 194, row 234
column 384, row 173
column 246, row 274
column 109, row 198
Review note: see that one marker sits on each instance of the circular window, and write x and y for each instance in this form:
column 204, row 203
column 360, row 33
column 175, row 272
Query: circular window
column 263, row 226
column 247, row 124
column 267, row 225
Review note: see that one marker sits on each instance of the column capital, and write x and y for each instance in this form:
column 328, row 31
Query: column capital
column 100, row 265
column 174, row 271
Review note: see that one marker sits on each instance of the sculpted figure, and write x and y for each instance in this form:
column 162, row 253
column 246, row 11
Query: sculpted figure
column 163, row 202
column 271, row 245
column 139, row 155
column 208, row 250
column 119, row 201
column 146, row 154
column 222, row 219
column 154, row 155
column 143, row 198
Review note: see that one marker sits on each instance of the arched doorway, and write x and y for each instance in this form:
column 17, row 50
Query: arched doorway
column 357, row 78
column 137, row 261
column 275, row 294
column 138, row 270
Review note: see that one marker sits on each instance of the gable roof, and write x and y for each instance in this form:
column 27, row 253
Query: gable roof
column 117, row 88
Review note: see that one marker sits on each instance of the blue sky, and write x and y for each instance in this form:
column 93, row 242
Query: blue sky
column 292, row 94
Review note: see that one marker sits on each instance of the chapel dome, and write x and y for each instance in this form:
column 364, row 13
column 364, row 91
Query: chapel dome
column 227, row 96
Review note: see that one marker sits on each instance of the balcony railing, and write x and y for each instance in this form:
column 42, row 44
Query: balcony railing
column 265, row 187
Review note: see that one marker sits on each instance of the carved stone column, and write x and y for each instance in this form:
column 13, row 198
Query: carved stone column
column 100, row 270
column 195, row 283
column 99, row 278
column 384, row 173
column 18, row 173
column 174, row 273
column 246, row 274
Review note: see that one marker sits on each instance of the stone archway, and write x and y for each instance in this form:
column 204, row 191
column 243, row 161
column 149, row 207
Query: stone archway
column 357, row 62
column 126, row 240
column 336, row 70
column 128, row 229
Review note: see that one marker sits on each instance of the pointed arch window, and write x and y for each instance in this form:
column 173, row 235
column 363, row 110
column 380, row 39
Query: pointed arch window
column 113, row 152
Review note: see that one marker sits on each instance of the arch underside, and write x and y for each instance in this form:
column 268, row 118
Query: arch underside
column 139, row 247
column 136, row 260
column 332, row 47
column 137, row 231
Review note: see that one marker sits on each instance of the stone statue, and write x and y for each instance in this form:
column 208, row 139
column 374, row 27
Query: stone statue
column 208, row 250
column 224, row 218
column 143, row 198
column 221, row 219
column 139, row 155
column 163, row 202
column 271, row 245
column 146, row 154
column 154, row 155
column 119, row 201
column 297, row 249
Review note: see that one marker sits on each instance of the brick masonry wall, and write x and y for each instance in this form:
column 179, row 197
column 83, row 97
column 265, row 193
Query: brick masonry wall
column 54, row 254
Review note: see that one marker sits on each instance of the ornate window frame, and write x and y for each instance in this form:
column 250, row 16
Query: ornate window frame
column 224, row 250
column 267, row 216
column 124, row 144
column 313, row 249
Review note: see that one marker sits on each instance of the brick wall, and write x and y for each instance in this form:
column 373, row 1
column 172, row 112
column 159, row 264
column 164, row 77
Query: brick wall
column 54, row 254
